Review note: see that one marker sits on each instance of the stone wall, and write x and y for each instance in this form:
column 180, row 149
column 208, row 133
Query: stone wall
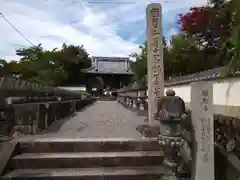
column 226, row 97
column 28, row 107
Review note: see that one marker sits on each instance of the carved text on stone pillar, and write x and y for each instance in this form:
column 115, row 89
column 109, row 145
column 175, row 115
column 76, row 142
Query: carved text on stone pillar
column 205, row 130
column 202, row 120
column 154, row 57
column 155, row 40
column 205, row 146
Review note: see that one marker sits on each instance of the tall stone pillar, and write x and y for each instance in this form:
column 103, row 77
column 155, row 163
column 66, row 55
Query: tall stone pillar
column 154, row 58
column 203, row 126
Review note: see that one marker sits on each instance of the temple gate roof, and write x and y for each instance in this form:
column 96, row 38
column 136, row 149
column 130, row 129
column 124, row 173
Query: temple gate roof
column 109, row 65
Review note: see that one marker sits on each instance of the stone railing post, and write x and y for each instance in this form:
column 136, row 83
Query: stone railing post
column 170, row 113
column 141, row 106
column 135, row 99
column 129, row 99
column 122, row 98
column 141, row 98
column 132, row 99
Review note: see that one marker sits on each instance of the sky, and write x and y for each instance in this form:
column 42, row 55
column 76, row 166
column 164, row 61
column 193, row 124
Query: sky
column 103, row 27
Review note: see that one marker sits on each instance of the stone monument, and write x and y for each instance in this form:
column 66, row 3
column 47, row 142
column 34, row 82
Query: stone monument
column 203, row 126
column 154, row 58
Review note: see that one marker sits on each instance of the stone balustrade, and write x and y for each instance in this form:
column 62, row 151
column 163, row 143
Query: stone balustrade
column 30, row 108
column 135, row 99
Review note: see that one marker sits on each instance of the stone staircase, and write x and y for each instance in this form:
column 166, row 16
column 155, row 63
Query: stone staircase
column 88, row 159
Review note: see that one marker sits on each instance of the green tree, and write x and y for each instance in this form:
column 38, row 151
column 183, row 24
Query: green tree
column 73, row 59
column 232, row 45
column 209, row 38
column 38, row 65
column 31, row 53
column 186, row 57
column 139, row 66
column 55, row 67
column 209, row 27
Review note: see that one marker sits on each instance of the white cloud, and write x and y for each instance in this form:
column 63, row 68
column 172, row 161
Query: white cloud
column 100, row 27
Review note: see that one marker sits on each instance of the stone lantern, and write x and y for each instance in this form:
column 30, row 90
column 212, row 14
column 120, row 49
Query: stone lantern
column 170, row 113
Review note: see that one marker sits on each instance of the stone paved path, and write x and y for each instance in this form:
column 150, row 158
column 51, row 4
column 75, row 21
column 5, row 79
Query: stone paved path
column 102, row 119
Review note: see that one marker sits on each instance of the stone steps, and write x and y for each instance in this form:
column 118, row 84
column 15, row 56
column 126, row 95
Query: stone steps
column 113, row 173
column 86, row 158
column 52, row 145
column 81, row 160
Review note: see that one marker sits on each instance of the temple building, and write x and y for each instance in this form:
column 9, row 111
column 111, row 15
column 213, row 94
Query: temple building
column 108, row 73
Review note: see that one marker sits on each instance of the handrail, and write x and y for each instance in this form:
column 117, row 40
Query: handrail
column 18, row 86
column 29, row 105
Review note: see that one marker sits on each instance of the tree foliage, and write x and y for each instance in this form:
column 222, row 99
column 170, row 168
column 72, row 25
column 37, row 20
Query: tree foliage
column 52, row 67
column 209, row 37
column 232, row 45
column 140, row 66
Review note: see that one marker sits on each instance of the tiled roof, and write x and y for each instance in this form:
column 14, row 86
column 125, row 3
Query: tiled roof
column 200, row 76
column 210, row 74
column 109, row 65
